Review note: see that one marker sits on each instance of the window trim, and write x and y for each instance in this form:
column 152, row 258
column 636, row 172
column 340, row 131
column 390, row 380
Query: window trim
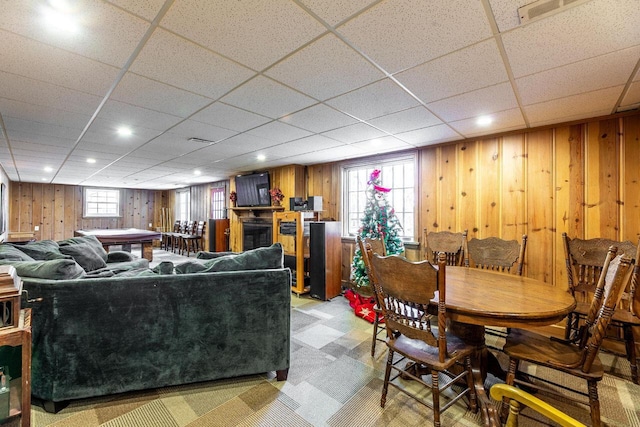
column 376, row 162
column 86, row 214
column 177, row 203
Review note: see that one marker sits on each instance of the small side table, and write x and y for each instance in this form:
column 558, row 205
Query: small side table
column 15, row 336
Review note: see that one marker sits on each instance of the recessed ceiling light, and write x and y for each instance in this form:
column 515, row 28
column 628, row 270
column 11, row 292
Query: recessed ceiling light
column 44, row 179
column 91, row 160
column 484, row 121
column 58, row 17
column 261, row 157
column 48, row 169
column 124, row 131
column 197, row 172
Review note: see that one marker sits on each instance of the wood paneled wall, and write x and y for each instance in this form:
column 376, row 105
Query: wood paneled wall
column 582, row 179
column 57, row 210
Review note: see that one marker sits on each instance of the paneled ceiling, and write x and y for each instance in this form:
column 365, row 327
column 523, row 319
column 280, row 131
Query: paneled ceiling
column 206, row 87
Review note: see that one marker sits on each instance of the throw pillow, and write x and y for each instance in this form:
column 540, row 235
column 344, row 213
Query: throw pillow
column 88, row 240
column 120, row 256
column 56, row 269
column 165, row 267
column 13, row 253
column 84, row 255
column 38, row 250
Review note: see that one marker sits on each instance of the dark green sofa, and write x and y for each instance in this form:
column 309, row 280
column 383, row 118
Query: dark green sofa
column 141, row 329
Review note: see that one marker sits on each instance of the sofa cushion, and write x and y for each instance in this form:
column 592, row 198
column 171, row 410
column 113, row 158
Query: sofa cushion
column 85, row 255
column 12, row 253
column 256, row 259
column 56, row 269
column 89, row 240
column 38, row 250
column 165, row 267
column 120, row 256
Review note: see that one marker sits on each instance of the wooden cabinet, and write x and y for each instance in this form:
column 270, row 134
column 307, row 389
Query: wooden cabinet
column 291, row 230
column 20, row 335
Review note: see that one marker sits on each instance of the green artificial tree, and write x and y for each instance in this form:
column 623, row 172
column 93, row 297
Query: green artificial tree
column 379, row 222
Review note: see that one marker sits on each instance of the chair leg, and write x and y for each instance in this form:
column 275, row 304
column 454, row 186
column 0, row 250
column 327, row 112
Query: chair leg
column 630, row 345
column 387, row 375
column 376, row 318
column 511, row 376
column 594, row 403
column 473, row 398
column 435, row 392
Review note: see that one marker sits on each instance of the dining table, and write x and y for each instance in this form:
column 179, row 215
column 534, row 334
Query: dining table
column 476, row 298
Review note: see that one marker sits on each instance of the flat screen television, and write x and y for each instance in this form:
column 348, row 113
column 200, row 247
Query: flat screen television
column 253, row 190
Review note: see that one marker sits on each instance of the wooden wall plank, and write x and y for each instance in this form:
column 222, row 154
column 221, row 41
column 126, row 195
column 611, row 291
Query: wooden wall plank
column 539, row 148
column 630, row 208
column 447, row 189
column 467, row 184
column 513, row 206
column 428, row 190
column 488, row 189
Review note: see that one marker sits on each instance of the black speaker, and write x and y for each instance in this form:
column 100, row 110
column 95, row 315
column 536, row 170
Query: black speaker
column 324, row 259
column 314, row 203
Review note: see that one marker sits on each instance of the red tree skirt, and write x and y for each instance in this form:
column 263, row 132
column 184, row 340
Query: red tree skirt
column 362, row 306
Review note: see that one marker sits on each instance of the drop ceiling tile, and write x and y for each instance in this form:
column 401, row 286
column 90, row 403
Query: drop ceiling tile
column 505, row 13
column 279, row 132
column 429, row 136
column 591, row 104
column 572, row 36
column 111, row 148
column 401, row 34
column 105, row 33
column 239, row 30
column 325, row 68
column 38, row 61
column 319, row 118
column 17, row 138
column 301, row 146
column 336, row 11
column 17, row 128
column 381, row 145
column 175, row 61
column 375, row 100
column 147, row 9
column 131, row 115
column 104, row 131
column 268, row 98
column 462, row 71
column 403, row 121
column 229, row 117
column 195, row 129
column 39, row 114
column 354, row 133
column 146, row 93
column 44, row 94
column 502, row 121
column 579, row 77
column 472, row 104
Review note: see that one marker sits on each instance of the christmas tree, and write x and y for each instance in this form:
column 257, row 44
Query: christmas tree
column 379, row 222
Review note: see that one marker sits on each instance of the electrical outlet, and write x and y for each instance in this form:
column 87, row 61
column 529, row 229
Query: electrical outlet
column 150, row 224
column 36, row 228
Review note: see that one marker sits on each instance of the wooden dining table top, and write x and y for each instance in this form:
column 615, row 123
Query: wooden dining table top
column 489, row 298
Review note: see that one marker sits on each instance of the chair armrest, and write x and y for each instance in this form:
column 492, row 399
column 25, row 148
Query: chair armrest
column 500, row 391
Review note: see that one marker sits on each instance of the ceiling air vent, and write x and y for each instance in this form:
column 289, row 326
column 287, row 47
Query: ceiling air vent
column 543, row 8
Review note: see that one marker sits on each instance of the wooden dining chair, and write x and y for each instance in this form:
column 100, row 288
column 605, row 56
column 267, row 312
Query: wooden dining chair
column 167, row 237
column 376, row 246
column 494, row 253
column 405, row 290
column 193, row 241
column 517, row 397
column 584, row 260
column 578, row 359
column 452, row 244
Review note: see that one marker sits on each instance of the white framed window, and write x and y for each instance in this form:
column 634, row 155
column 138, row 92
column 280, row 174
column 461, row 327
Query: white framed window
column 101, row 202
column 399, row 174
column 183, row 204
